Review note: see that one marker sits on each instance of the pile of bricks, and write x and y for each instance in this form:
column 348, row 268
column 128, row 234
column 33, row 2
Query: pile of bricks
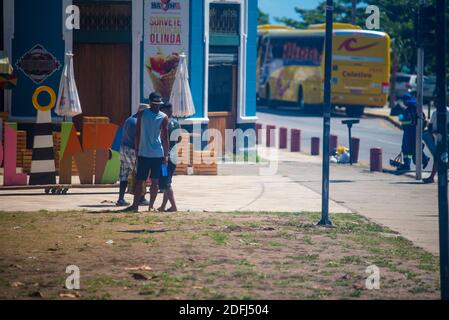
column 196, row 162
column 23, row 155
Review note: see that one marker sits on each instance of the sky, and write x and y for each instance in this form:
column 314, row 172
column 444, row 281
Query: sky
column 285, row 8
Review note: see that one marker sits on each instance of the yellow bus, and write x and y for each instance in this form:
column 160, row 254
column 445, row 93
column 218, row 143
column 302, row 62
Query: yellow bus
column 291, row 68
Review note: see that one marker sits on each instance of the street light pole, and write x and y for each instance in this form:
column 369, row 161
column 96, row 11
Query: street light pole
column 442, row 149
column 325, row 221
column 419, row 103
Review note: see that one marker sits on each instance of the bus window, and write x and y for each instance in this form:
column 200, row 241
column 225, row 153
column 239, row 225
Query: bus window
column 300, row 51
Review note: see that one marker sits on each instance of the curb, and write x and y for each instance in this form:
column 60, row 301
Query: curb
column 388, row 118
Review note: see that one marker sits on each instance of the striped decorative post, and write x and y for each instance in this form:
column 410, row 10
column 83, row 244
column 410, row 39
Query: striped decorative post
column 43, row 170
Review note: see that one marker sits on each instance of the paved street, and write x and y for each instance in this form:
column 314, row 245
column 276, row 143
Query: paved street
column 374, row 133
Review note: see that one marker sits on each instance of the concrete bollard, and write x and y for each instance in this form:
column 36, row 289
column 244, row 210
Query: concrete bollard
column 376, row 164
column 333, row 144
column 355, row 150
column 258, row 129
column 283, row 138
column 271, row 130
column 315, row 146
column 295, row 140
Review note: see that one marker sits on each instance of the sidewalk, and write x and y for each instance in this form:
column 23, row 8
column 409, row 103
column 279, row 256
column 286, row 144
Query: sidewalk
column 383, row 113
column 225, row 193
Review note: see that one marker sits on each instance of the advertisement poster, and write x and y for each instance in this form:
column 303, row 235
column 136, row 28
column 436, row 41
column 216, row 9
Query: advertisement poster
column 166, row 36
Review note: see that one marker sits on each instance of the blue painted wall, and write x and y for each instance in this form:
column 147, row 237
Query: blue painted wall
column 251, row 59
column 196, row 57
column 36, row 22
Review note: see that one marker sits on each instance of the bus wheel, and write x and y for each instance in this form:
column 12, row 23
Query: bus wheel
column 270, row 103
column 355, row 112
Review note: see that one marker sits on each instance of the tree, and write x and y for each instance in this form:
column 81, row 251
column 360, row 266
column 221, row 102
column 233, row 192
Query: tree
column 264, row 18
column 342, row 13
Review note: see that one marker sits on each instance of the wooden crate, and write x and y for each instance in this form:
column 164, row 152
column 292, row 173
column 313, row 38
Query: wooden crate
column 96, row 120
column 205, row 163
column 205, row 171
column 204, row 157
column 181, row 170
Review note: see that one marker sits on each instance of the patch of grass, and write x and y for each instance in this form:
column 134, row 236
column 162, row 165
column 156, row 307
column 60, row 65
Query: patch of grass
column 219, row 238
column 128, row 219
column 428, row 262
column 100, row 282
column 306, row 258
column 218, row 296
column 356, row 293
column 248, row 238
column 307, row 240
column 342, row 283
column 149, row 240
column 351, row 260
column 275, row 244
column 246, row 263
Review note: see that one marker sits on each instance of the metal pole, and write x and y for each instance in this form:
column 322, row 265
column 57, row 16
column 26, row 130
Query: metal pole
column 325, row 221
column 350, row 144
column 442, row 155
column 419, row 106
column 419, row 113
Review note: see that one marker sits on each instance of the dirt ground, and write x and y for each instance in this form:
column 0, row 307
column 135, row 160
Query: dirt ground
column 207, row 256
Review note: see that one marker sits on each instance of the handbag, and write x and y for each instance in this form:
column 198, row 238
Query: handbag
column 132, row 184
column 398, row 161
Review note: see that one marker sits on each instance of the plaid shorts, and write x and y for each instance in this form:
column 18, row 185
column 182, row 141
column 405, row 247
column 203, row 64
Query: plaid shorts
column 128, row 162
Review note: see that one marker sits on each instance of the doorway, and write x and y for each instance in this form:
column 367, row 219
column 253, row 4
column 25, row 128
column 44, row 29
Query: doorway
column 224, row 44
column 102, row 61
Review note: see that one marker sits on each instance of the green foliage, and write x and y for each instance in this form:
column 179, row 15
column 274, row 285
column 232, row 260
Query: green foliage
column 264, row 18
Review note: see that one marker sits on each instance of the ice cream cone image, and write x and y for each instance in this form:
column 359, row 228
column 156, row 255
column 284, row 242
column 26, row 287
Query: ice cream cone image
column 162, row 71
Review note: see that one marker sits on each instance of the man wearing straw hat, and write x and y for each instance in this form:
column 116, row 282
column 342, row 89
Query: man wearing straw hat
column 128, row 157
column 152, row 144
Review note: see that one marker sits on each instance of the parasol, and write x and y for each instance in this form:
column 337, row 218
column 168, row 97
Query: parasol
column 68, row 103
column 181, row 96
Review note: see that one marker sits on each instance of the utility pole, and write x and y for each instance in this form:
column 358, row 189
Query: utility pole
column 325, row 221
column 442, row 150
column 419, row 101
